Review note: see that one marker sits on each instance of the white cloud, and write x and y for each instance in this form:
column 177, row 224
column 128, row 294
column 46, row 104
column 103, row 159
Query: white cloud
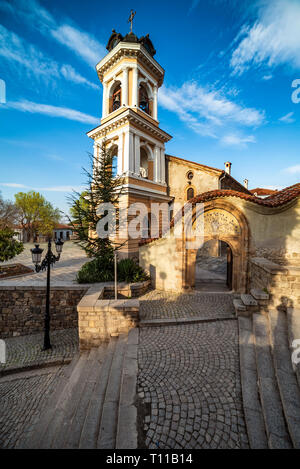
column 267, row 77
column 43, row 189
column 288, row 118
column 237, row 140
column 273, row 40
column 52, row 111
column 13, row 185
column 83, row 44
column 207, row 111
column 293, row 169
column 15, row 50
column 70, row 74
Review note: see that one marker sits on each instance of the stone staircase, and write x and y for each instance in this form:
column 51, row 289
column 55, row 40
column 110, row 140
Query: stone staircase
column 247, row 304
column 271, row 390
column 93, row 406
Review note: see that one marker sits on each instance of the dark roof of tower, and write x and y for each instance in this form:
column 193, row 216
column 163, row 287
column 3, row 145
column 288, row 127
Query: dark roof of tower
column 146, row 42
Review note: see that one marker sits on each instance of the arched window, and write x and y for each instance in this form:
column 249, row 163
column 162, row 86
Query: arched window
column 116, row 98
column 144, row 99
column 144, row 164
column 190, row 193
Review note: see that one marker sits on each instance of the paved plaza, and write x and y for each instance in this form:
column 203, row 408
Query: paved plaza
column 189, row 391
column 62, row 274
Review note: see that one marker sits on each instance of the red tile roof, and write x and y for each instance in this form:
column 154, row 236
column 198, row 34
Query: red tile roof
column 262, row 191
column 277, row 199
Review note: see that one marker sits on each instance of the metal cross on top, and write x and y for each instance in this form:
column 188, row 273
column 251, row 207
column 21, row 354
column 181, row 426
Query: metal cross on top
column 131, row 18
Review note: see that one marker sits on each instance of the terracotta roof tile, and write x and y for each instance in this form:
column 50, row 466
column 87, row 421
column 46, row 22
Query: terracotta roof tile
column 275, row 200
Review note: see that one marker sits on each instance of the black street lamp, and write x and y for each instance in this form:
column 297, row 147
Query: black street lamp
column 49, row 260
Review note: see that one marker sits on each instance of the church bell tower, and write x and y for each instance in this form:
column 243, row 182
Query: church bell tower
column 131, row 77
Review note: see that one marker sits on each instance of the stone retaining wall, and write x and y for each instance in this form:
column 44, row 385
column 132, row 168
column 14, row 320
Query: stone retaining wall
column 99, row 319
column 22, row 309
column 281, row 281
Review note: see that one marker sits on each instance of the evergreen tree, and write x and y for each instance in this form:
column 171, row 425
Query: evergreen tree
column 103, row 186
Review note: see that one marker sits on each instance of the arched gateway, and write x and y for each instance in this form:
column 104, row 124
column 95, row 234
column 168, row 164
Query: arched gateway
column 222, row 222
column 173, row 259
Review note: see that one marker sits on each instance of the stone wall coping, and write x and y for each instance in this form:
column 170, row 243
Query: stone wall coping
column 273, row 268
column 91, row 301
column 41, row 287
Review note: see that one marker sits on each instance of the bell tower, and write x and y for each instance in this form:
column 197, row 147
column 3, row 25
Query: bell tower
column 131, row 77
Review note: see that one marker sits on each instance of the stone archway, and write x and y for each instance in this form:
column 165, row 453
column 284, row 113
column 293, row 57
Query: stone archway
column 223, row 222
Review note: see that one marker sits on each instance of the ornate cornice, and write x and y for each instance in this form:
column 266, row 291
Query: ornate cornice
column 130, row 51
column 129, row 117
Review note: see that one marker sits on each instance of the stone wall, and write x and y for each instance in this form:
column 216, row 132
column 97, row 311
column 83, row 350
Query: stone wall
column 99, row 319
column 282, row 282
column 22, row 309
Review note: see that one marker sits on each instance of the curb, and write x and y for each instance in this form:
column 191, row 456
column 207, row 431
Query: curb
column 176, row 322
column 35, row 366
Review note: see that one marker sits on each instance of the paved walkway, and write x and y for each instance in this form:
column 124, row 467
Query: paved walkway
column 163, row 305
column 189, row 392
column 26, row 351
column 189, row 387
column 62, row 274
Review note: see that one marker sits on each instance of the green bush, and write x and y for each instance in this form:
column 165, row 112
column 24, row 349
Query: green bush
column 100, row 270
column 96, row 271
column 130, row 272
column 9, row 247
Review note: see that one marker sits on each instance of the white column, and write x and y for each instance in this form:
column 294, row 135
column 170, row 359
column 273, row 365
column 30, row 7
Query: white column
column 157, row 164
column 125, row 87
column 155, row 102
column 135, row 88
column 104, row 102
column 162, row 165
column 137, row 155
column 120, row 154
column 131, row 153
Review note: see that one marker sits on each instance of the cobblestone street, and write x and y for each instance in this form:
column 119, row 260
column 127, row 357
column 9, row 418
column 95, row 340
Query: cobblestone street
column 26, row 351
column 23, row 396
column 162, row 305
column 189, row 387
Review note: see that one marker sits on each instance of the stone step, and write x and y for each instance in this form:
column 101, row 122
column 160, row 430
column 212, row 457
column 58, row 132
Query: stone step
column 293, row 318
column 97, row 356
column 240, row 308
column 55, row 414
column 250, row 302
column 39, row 428
column 277, row 434
column 251, row 402
column 286, row 379
column 109, row 418
column 127, row 437
column 260, row 296
column 71, row 403
column 91, row 425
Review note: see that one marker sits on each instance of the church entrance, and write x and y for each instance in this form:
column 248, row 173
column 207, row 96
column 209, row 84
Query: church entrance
column 213, row 270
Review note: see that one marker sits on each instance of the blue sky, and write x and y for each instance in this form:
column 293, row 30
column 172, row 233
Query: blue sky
column 227, row 95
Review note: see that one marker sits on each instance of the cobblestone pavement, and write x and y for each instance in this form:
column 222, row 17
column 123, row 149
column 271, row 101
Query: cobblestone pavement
column 189, row 387
column 211, row 268
column 23, row 397
column 27, row 350
column 63, row 272
column 164, row 305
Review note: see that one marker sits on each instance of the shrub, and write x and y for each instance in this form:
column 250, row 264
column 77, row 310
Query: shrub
column 9, row 247
column 96, row 271
column 130, row 272
column 101, row 270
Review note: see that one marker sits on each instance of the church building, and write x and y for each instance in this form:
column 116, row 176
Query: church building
column 131, row 77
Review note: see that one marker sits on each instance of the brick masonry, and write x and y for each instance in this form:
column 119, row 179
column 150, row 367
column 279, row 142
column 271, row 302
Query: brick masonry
column 22, row 309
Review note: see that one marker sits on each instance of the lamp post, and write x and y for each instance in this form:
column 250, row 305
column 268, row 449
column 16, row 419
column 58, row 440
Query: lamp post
column 49, row 260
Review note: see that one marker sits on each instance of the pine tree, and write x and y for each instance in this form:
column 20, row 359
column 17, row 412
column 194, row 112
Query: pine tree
column 103, row 186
